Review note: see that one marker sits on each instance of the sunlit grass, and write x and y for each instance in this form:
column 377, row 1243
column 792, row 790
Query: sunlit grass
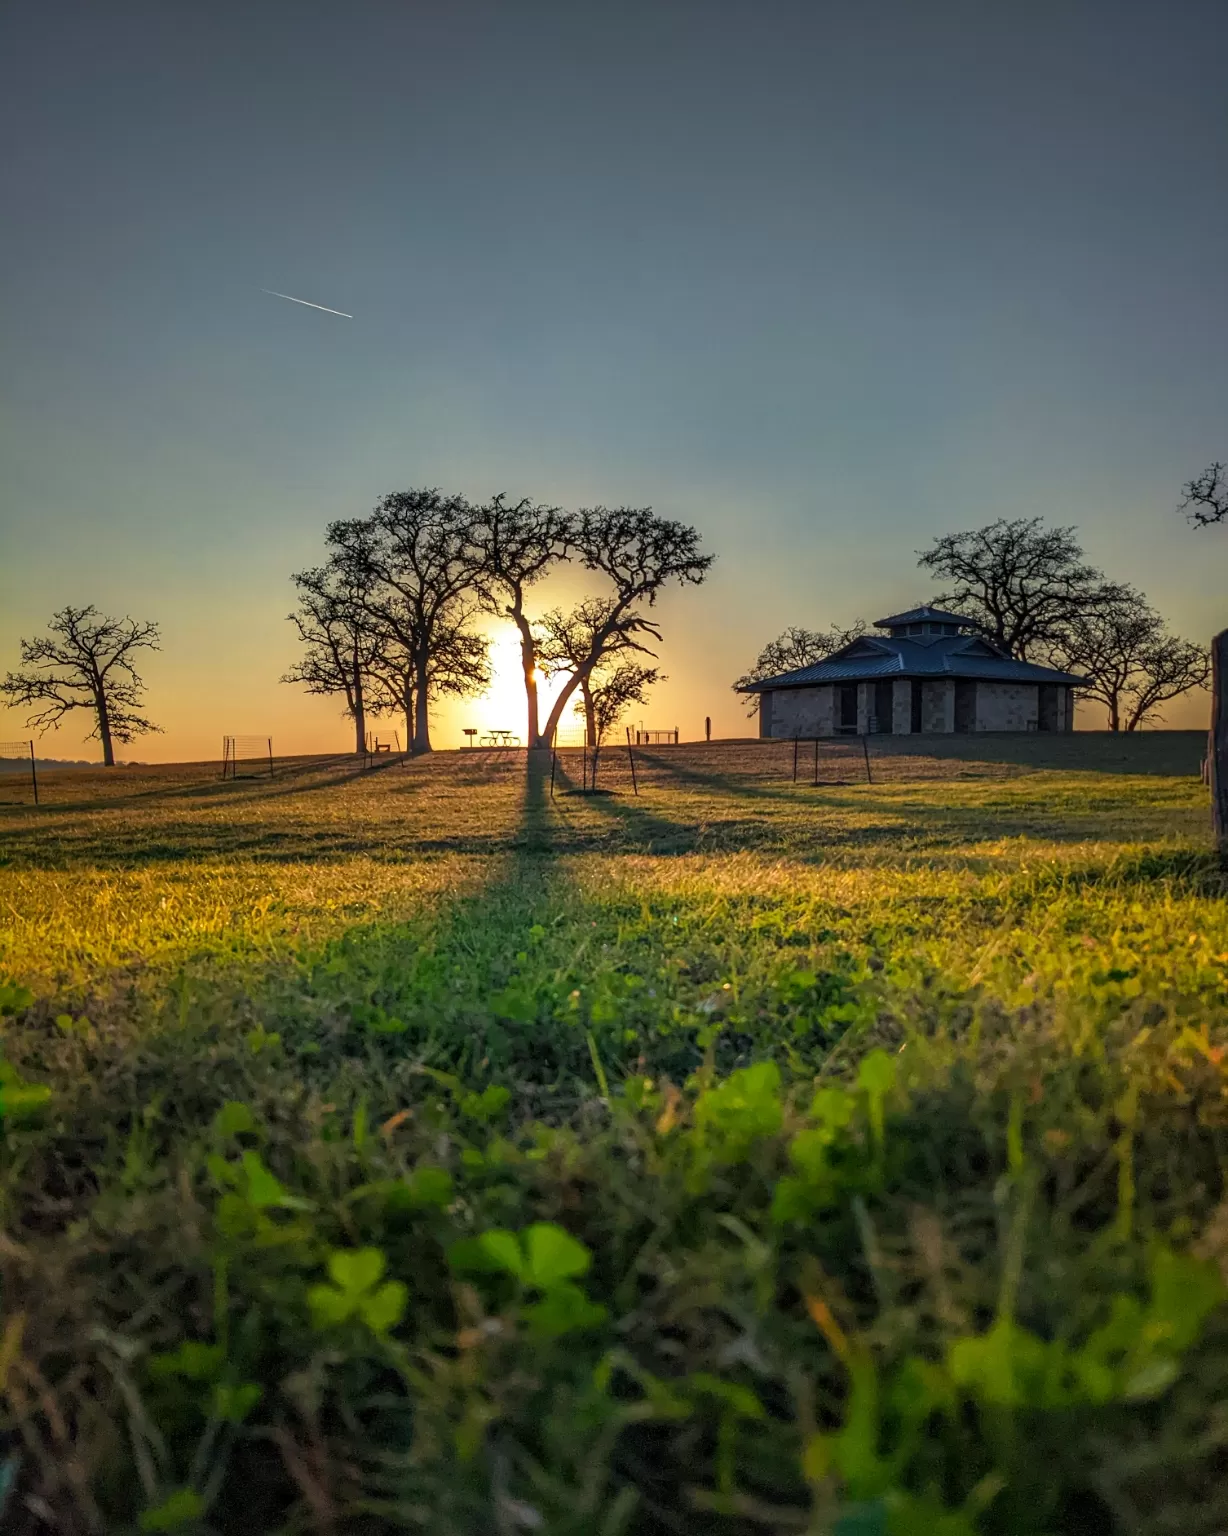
column 562, row 1005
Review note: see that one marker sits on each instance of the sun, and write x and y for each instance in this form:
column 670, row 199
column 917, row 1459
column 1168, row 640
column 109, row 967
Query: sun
column 502, row 706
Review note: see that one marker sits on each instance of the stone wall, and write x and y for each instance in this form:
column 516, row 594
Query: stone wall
column 802, row 711
column 938, row 705
column 1006, row 707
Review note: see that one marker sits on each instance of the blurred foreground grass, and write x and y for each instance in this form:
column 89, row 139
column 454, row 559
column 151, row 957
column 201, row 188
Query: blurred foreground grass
column 415, row 1151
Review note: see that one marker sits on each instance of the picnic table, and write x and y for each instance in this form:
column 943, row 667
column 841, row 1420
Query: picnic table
column 500, row 739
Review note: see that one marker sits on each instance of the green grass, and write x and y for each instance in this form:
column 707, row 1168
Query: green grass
column 415, row 1151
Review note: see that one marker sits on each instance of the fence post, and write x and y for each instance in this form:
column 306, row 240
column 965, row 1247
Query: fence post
column 795, row 759
column 33, row 773
column 1219, row 741
column 631, row 759
column 865, row 746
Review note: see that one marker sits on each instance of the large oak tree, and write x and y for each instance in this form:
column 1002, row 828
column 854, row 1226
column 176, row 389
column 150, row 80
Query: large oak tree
column 1019, row 581
column 416, row 555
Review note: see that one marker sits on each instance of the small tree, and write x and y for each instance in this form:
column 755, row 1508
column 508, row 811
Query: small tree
column 566, row 641
column 85, row 663
column 1132, row 664
column 794, row 649
column 342, row 643
column 512, row 548
column 1021, row 582
column 640, row 554
column 1204, row 499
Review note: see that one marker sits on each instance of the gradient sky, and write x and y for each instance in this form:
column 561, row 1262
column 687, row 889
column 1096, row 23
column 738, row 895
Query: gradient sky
column 825, row 280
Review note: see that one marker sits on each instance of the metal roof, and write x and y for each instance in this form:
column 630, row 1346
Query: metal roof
column 926, row 615
column 966, row 656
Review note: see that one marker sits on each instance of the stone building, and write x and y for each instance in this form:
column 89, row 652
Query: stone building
column 926, row 673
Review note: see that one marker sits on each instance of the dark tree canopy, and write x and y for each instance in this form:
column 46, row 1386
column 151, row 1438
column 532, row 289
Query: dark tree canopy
column 797, row 648
column 1132, row 664
column 415, row 553
column 640, row 554
column 85, row 662
column 1021, row 582
column 1204, row 499
column 566, row 642
column 512, row 547
column 341, row 642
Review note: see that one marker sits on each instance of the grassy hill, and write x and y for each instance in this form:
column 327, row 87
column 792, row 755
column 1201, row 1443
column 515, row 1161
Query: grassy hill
column 440, row 1149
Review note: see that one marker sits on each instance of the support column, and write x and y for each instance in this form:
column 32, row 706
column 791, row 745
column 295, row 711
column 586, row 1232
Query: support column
column 1218, row 746
column 865, row 707
column 901, row 707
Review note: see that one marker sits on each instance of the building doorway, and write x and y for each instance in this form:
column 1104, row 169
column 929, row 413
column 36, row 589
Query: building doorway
column 884, row 702
column 847, row 698
column 965, row 705
column 1048, row 708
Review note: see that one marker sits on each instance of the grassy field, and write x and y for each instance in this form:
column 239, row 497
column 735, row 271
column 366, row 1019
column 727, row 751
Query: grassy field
column 434, row 1149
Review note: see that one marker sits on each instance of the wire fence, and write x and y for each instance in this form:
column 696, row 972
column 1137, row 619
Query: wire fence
column 247, row 757
column 19, row 783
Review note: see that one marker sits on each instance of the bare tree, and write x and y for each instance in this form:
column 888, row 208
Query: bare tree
column 640, row 554
column 342, row 643
column 611, row 691
column 512, row 548
column 566, row 642
column 1021, row 582
column 416, row 555
column 1205, row 498
column 794, row 649
column 1131, row 663
column 85, row 663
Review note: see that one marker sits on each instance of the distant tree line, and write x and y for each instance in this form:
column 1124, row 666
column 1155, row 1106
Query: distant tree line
column 388, row 622
column 1030, row 589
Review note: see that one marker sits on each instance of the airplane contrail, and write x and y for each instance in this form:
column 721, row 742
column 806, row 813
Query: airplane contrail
column 273, row 293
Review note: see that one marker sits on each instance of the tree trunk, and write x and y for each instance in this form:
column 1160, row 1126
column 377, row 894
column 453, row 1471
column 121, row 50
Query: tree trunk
column 590, row 718
column 528, row 665
column 104, row 730
column 422, row 722
column 564, row 698
column 360, row 712
column 407, row 701
column 1219, row 741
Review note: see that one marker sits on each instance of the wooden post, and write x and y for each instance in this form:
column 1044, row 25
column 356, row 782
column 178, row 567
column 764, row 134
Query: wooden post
column 865, row 746
column 631, row 759
column 33, row 773
column 795, row 759
column 1219, row 741
column 816, row 762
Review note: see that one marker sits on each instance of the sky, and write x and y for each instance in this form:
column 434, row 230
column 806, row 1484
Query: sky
column 825, row 280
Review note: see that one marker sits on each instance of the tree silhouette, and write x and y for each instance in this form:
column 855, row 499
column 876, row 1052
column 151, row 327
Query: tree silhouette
column 1205, row 497
column 85, row 663
column 416, row 557
column 1020, row 582
column 566, row 642
column 341, row 641
column 794, row 649
column 1132, row 664
column 640, row 554
column 512, row 548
